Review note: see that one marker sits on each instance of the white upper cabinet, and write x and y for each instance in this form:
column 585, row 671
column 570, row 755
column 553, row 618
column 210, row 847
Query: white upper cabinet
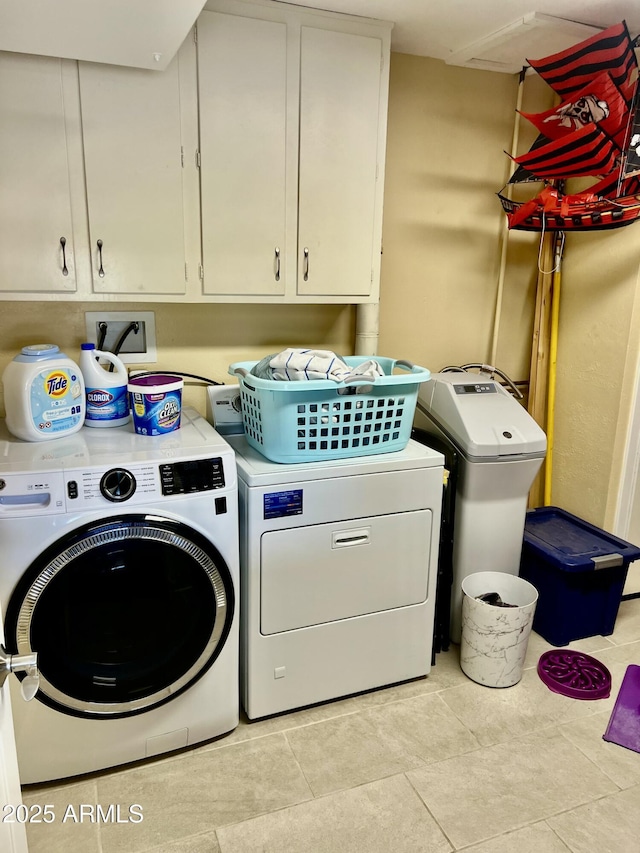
column 251, row 169
column 242, row 67
column 36, row 224
column 99, row 179
column 340, row 81
column 292, row 134
column 131, row 132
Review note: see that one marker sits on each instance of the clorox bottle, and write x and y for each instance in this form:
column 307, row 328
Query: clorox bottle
column 43, row 394
column 106, row 393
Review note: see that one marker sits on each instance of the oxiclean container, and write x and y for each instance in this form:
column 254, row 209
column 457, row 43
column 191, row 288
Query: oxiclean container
column 156, row 403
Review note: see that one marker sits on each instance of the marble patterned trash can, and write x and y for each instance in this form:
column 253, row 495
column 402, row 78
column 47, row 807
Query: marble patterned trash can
column 494, row 638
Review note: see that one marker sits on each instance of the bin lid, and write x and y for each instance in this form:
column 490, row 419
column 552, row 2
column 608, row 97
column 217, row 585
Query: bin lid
column 572, row 544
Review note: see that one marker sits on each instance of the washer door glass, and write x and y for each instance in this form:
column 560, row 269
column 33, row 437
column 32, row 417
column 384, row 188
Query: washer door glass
column 124, row 615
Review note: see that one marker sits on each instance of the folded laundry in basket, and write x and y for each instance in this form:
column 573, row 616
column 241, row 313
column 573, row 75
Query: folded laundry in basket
column 301, row 364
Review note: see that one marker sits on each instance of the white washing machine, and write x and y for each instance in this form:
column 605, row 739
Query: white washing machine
column 338, row 565
column 120, row 570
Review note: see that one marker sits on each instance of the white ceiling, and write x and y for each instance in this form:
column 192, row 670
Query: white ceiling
column 440, row 28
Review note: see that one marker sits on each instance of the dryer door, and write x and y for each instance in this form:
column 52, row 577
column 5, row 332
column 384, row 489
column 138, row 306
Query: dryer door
column 325, row 572
column 125, row 614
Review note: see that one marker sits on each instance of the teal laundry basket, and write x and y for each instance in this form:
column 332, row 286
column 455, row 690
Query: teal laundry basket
column 315, row 420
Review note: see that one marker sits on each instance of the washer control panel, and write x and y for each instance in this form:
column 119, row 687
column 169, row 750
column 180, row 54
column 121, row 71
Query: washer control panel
column 199, row 475
column 28, row 494
column 134, row 484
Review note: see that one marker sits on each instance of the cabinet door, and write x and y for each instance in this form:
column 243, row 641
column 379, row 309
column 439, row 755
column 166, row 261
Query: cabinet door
column 13, row 836
column 242, row 67
column 340, row 79
column 133, row 160
column 35, row 201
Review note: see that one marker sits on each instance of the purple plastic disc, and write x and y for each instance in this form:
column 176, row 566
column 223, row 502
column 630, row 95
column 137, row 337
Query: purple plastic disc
column 574, row 674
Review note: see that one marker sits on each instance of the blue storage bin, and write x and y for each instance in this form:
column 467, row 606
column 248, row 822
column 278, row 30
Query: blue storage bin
column 579, row 571
column 310, row 421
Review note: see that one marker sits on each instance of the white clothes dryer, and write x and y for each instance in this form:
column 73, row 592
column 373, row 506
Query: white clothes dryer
column 339, row 568
column 120, row 570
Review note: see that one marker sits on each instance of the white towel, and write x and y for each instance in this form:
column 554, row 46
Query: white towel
column 296, row 364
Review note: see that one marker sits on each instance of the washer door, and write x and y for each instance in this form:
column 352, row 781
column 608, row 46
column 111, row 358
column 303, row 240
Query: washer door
column 125, row 615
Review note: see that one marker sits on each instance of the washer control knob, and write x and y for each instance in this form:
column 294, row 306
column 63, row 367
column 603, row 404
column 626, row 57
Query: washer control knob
column 118, row 485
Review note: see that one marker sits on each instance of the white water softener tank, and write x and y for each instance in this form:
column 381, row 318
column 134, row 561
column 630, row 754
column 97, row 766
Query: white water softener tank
column 499, row 449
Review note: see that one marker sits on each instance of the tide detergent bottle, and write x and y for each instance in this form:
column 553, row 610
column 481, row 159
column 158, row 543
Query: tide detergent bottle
column 107, row 397
column 43, row 394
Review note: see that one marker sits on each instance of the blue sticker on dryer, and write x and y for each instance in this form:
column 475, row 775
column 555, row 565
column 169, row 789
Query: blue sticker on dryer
column 282, row 504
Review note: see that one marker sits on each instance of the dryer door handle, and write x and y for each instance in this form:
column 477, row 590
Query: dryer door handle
column 347, row 538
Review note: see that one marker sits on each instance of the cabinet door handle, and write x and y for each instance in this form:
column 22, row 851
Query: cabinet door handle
column 101, row 268
column 63, row 243
column 277, row 252
column 305, row 269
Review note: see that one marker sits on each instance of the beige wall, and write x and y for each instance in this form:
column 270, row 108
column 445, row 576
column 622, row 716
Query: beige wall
column 442, row 235
column 443, row 225
column 597, row 370
column 200, row 339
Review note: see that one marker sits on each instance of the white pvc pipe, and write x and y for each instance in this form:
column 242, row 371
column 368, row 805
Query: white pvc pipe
column 367, row 328
column 505, row 233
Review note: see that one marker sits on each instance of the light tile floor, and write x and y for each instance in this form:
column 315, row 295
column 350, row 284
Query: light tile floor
column 429, row 766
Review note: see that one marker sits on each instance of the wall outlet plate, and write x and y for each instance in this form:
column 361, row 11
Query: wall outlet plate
column 224, row 409
column 138, row 348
